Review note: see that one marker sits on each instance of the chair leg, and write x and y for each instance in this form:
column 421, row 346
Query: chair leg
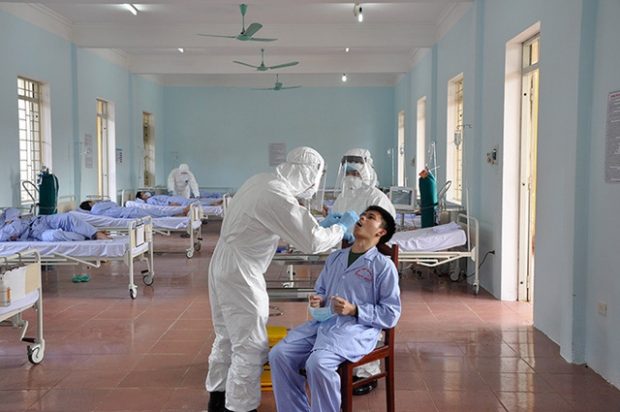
column 346, row 388
column 389, row 384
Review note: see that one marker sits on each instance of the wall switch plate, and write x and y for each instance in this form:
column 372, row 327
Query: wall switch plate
column 602, row 308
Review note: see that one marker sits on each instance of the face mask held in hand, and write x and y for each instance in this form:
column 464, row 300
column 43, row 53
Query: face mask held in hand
column 321, row 314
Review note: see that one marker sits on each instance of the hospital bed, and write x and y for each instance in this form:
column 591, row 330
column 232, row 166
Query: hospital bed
column 214, row 201
column 165, row 226
column 435, row 246
column 21, row 274
column 292, row 287
column 136, row 242
column 189, row 225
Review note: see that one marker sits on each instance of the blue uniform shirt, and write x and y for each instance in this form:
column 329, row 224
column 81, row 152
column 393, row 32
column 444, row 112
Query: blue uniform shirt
column 371, row 283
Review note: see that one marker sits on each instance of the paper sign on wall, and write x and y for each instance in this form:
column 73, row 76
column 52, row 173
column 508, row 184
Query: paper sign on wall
column 612, row 149
column 88, row 151
column 277, row 153
column 119, row 156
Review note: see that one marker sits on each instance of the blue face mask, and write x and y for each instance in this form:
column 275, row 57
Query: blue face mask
column 321, row 314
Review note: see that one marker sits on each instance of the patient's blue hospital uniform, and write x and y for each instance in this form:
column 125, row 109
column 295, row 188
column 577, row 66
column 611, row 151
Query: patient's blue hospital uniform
column 371, row 283
column 47, row 228
column 111, row 209
column 165, row 200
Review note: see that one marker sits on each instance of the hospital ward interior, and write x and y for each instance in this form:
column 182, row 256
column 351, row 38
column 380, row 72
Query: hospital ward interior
column 318, row 205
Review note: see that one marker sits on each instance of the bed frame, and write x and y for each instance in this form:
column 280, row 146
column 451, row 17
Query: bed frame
column 139, row 245
column 29, row 281
column 195, row 215
column 470, row 250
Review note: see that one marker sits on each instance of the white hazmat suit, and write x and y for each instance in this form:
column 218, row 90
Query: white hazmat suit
column 359, row 192
column 264, row 210
column 182, row 182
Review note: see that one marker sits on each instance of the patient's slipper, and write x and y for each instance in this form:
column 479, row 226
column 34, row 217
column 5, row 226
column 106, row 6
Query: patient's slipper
column 80, row 278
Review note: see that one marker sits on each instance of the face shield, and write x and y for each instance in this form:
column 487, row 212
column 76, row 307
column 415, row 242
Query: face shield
column 355, row 172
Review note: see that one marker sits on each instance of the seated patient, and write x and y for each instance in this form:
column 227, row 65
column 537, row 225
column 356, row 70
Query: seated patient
column 111, row 209
column 163, row 200
column 359, row 286
column 47, row 228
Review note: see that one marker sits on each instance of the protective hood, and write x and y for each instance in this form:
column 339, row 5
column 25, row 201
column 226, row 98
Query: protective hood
column 302, row 170
column 360, row 161
column 183, row 168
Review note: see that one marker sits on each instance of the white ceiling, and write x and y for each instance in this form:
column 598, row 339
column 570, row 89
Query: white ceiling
column 313, row 32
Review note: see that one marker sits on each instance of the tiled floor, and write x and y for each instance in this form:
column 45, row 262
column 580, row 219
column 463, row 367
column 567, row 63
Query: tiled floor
column 105, row 352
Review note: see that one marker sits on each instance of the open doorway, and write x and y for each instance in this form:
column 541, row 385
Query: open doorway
column 103, row 163
column 528, row 166
column 149, row 149
column 401, row 178
column 518, row 161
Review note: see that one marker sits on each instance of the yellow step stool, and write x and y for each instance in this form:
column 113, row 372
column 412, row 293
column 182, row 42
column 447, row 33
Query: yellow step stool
column 275, row 334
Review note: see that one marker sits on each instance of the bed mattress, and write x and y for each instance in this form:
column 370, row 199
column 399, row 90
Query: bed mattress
column 214, row 210
column 168, row 223
column 431, row 239
column 111, row 248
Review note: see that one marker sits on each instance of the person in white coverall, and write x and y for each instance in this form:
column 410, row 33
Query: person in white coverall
column 265, row 209
column 182, row 182
column 358, row 181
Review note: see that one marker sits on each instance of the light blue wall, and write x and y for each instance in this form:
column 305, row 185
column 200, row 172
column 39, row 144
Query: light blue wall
column 97, row 78
column 148, row 96
column 402, row 102
column 50, row 64
column 224, row 133
column 421, row 85
column 601, row 243
column 577, row 224
column 557, row 131
column 75, row 78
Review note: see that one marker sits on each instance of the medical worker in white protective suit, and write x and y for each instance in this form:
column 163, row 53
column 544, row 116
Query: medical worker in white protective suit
column 358, row 181
column 182, row 182
column 265, row 209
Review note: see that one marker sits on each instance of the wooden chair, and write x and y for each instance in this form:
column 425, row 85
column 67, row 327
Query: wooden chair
column 385, row 352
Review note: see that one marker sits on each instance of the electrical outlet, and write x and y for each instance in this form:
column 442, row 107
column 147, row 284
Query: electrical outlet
column 602, row 308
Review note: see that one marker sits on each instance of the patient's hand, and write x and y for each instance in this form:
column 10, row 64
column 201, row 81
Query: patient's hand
column 174, row 204
column 186, row 210
column 102, row 235
column 315, row 301
column 342, row 306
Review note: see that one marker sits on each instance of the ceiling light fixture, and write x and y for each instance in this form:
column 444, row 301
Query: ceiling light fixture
column 344, row 77
column 132, row 9
column 346, row 49
column 357, row 12
column 181, row 50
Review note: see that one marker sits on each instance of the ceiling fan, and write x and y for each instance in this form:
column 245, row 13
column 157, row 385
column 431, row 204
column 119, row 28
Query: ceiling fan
column 278, row 86
column 246, row 34
column 262, row 67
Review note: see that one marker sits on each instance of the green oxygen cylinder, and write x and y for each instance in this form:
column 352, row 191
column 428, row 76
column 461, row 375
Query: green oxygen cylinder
column 428, row 199
column 48, row 193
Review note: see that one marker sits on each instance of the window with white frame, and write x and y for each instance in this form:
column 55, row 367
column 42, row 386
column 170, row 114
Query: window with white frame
column 420, row 142
column 29, row 102
column 455, row 139
column 149, row 149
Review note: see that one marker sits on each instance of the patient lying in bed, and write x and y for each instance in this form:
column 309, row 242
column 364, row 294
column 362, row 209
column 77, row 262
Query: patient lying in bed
column 47, row 228
column 163, row 200
column 111, row 209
